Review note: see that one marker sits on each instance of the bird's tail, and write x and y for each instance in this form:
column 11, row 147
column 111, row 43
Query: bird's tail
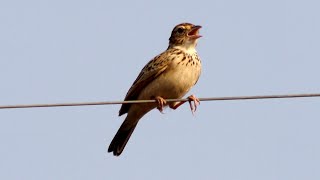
column 120, row 140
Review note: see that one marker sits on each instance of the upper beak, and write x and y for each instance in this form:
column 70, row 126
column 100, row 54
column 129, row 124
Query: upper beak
column 194, row 33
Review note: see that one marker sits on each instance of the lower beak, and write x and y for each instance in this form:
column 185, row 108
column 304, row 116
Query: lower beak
column 194, row 33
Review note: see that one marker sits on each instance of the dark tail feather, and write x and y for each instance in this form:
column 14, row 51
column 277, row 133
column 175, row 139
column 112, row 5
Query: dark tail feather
column 120, row 139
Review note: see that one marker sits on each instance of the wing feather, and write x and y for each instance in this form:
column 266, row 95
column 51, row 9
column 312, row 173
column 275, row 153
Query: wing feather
column 149, row 73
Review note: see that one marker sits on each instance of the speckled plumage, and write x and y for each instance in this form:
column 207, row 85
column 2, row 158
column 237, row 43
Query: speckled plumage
column 169, row 75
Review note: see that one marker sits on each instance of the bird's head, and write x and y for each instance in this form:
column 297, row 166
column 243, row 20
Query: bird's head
column 184, row 35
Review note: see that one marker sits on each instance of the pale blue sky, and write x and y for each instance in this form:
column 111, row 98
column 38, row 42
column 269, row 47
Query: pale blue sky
column 83, row 51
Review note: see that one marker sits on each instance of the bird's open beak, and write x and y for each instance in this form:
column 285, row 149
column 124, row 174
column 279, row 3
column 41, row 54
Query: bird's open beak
column 194, row 33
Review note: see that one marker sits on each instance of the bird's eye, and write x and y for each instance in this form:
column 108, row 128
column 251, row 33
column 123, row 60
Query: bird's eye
column 180, row 30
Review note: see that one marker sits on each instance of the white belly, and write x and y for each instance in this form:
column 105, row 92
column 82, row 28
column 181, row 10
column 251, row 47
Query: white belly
column 174, row 83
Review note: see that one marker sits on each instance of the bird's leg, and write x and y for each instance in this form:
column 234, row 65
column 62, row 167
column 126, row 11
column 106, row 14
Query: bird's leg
column 161, row 102
column 191, row 99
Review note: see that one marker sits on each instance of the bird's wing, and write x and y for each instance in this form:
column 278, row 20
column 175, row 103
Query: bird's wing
column 149, row 73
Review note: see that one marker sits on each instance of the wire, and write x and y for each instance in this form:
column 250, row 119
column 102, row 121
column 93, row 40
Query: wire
column 153, row 101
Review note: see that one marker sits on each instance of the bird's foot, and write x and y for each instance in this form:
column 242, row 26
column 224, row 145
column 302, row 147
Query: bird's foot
column 161, row 102
column 191, row 99
column 195, row 101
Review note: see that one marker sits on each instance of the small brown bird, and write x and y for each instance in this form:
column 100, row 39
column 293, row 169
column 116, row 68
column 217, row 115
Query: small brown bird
column 169, row 75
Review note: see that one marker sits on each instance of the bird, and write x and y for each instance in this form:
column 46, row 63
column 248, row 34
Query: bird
column 170, row 75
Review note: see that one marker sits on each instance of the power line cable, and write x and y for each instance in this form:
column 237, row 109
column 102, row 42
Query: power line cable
column 153, row 101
